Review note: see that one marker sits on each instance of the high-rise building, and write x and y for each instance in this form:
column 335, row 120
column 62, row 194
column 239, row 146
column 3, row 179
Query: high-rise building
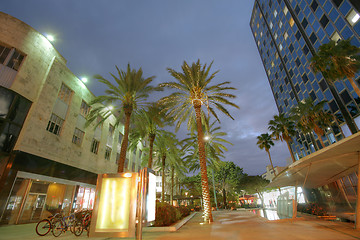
column 288, row 33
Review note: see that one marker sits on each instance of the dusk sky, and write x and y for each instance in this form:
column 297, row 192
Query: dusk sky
column 94, row 36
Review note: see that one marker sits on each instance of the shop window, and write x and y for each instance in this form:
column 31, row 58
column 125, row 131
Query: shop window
column 95, row 146
column 65, row 94
column 84, row 108
column 55, row 124
column 353, row 17
column 107, row 153
column 78, row 136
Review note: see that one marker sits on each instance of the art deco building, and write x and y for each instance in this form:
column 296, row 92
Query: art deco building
column 49, row 161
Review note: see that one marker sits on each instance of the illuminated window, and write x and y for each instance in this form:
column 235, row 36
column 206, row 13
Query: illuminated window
column 65, row 94
column 271, row 25
column 286, row 35
column 285, row 10
column 269, row 72
column 78, row 136
column 95, row 146
column 353, row 17
column 261, row 34
column 275, row 13
column 84, row 108
column 272, row 64
column 275, row 36
column 257, row 25
column 111, row 130
column 280, row 23
column 336, row 37
column 55, row 124
column 107, row 153
column 276, row 55
column 280, row 47
column 291, row 22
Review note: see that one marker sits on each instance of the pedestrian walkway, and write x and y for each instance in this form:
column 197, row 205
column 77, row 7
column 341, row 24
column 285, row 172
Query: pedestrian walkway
column 233, row 225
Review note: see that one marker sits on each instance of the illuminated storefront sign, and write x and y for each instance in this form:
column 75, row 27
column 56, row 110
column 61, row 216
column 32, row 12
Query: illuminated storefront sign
column 151, row 199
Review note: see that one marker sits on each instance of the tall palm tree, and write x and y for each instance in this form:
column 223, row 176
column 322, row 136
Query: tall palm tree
column 337, row 61
column 166, row 148
column 147, row 122
column 265, row 142
column 311, row 117
column 283, row 128
column 194, row 92
column 128, row 94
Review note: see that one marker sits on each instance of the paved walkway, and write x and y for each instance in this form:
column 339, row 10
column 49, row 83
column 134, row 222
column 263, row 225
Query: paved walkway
column 233, row 225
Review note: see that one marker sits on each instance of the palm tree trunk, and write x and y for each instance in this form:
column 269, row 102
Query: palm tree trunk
column 172, row 185
column 320, row 139
column 124, row 143
column 291, row 153
column 203, row 170
column 272, row 166
column 224, row 198
column 163, row 178
column 151, row 146
column 354, row 85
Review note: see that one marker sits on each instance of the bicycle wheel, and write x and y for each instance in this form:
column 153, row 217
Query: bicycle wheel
column 57, row 227
column 43, row 227
column 77, row 228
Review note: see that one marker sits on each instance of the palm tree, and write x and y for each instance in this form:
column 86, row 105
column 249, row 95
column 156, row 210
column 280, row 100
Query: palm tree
column 147, row 124
column 194, row 91
column 126, row 96
column 311, row 117
column 166, row 148
column 283, row 128
column 265, row 142
column 337, row 61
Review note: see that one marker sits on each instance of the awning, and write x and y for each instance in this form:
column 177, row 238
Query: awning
column 323, row 166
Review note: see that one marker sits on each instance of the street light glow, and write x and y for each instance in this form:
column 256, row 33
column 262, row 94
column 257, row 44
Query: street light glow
column 50, row 37
column 207, row 137
column 84, row 80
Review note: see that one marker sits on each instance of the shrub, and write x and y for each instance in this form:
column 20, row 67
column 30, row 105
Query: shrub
column 166, row 214
column 185, row 211
column 312, row 208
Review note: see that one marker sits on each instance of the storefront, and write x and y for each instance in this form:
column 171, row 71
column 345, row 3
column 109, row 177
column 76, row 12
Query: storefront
column 34, row 197
column 38, row 187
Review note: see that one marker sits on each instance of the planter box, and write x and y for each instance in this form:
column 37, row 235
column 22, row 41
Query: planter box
column 172, row 228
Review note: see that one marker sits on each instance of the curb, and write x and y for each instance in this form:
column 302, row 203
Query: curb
column 172, row 228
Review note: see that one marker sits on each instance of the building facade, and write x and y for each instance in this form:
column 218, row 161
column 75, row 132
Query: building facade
column 49, row 160
column 287, row 34
column 270, row 173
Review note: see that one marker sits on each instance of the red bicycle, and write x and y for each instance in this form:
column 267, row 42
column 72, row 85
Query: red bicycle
column 82, row 223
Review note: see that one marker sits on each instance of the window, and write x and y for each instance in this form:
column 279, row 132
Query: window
column 275, row 36
column 107, row 153
column 304, row 23
column 280, row 47
column 297, row 9
column 94, row 146
column 353, row 17
column 336, row 37
column 111, row 130
column 10, row 57
column 285, row 10
column 286, row 35
column 305, row 50
column 84, row 108
column 280, row 24
column 78, row 136
column 291, row 48
column 297, row 61
column 271, row 25
column 313, row 38
column 298, row 35
column 65, row 94
column 275, row 13
column 324, row 21
column 291, row 22
column 314, row 5
column 337, row 2
column 55, row 124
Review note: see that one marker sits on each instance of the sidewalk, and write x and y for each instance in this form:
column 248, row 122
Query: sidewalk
column 233, row 225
